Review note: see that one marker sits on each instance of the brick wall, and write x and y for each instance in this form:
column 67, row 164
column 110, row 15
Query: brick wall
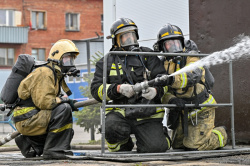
column 90, row 21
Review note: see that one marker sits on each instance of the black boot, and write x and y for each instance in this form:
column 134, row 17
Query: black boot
column 25, row 146
column 48, row 155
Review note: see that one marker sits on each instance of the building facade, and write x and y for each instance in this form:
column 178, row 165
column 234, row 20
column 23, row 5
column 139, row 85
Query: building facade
column 31, row 26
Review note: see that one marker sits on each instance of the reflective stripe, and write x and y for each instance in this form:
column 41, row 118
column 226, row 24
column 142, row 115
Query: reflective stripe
column 165, row 88
column 159, row 109
column 113, row 66
column 210, row 100
column 23, row 111
column 221, row 138
column 67, row 126
column 116, row 147
column 157, row 115
column 114, row 73
column 120, row 110
column 113, row 70
column 183, row 80
column 100, row 91
column 169, row 144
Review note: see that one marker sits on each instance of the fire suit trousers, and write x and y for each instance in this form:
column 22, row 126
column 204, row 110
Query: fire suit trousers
column 149, row 134
column 201, row 136
column 57, row 139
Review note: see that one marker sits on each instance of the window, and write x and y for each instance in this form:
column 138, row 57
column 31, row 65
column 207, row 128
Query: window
column 72, row 22
column 38, row 54
column 102, row 22
column 7, row 56
column 38, row 20
column 70, row 79
column 7, row 17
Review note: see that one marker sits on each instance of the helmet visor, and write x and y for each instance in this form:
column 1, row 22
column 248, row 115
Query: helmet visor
column 128, row 39
column 173, row 46
column 68, row 59
column 125, row 29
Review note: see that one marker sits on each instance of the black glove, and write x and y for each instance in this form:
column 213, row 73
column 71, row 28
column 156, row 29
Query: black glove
column 74, row 72
column 179, row 102
column 163, row 83
column 174, row 114
column 70, row 101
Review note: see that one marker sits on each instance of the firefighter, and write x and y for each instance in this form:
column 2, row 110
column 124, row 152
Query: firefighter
column 123, row 72
column 43, row 117
column 193, row 128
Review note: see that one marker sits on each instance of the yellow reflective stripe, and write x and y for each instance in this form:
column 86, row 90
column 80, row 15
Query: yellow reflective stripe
column 116, row 147
column 221, row 138
column 100, row 91
column 165, row 34
column 132, row 69
column 165, row 88
column 210, row 100
column 177, row 32
column 67, row 126
column 157, row 115
column 169, row 145
column 159, row 109
column 121, row 111
column 119, row 26
column 183, row 80
column 114, row 73
column 113, row 66
column 23, row 111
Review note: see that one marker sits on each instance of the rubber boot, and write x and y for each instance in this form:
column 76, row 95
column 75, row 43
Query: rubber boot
column 57, row 144
column 25, row 146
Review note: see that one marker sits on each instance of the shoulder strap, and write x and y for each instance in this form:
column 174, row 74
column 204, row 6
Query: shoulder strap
column 126, row 71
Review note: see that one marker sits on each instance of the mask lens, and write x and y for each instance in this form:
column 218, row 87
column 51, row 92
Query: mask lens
column 128, row 38
column 68, row 59
column 173, row 46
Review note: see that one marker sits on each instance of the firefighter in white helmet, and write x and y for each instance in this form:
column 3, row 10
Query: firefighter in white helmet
column 43, row 117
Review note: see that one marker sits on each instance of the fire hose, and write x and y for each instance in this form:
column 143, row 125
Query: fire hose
column 138, row 87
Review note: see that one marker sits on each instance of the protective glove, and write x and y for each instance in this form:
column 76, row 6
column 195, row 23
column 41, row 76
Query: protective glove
column 126, row 90
column 149, row 93
column 179, row 102
column 163, row 83
column 70, row 102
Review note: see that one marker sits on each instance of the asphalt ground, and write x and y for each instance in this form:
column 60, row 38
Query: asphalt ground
column 92, row 156
column 10, row 155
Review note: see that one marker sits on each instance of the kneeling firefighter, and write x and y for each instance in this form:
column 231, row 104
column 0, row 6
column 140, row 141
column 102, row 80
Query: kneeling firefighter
column 193, row 128
column 123, row 72
column 42, row 116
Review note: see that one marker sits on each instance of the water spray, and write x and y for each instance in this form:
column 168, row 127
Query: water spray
column 239, row 50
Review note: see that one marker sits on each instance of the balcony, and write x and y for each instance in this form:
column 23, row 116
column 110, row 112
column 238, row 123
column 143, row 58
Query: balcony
column 14, row 35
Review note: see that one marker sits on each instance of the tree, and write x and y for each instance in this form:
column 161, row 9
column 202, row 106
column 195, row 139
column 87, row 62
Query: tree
column 89, row 116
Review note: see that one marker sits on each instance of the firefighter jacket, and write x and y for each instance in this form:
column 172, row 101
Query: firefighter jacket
column 189, row 86
column 138, row 66
column 38, row 93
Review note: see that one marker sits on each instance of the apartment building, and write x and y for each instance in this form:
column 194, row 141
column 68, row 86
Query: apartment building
column 32, row 26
